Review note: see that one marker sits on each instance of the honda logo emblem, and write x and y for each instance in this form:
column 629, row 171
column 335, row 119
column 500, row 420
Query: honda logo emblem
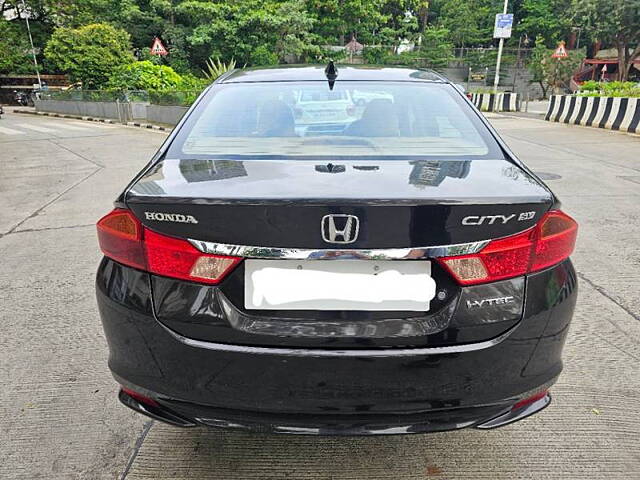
column 340, row 228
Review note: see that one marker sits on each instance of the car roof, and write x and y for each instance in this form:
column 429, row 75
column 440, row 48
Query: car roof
column 294, row 73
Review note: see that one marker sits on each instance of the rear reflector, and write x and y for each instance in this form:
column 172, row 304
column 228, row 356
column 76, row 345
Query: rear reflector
column 529, row 400
column 548, row 243
column 139, row 397
column 123, row 239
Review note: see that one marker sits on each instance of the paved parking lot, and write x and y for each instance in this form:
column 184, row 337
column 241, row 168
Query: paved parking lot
column 59, row 417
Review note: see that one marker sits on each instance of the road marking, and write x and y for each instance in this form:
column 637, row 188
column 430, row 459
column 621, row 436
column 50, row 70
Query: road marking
column 10, row 131
column 87, row 124
column 37, row 129
column 71, row 127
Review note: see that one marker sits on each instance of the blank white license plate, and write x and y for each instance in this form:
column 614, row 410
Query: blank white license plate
column 338, row 285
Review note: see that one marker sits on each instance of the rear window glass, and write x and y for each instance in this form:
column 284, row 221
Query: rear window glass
column 354, row 120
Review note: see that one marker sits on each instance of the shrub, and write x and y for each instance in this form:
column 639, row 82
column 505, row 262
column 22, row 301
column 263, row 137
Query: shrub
column 215, row 68
column 192, row 83
column 144, row 75
column 90, row 53
column 592, row 88
column 375, row 55
column 263, row 56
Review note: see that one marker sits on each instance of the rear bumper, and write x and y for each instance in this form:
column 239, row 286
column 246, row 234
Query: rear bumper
column 340, row 394
column 182, row 414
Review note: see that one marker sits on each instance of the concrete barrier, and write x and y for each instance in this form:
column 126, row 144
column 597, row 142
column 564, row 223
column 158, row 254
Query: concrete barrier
column 614, row 113
column 496, row 102
column 82, row 108
column 121, row 111
column 166, row 114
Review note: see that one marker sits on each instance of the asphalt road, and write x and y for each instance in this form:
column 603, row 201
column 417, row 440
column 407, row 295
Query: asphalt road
column 59, row 417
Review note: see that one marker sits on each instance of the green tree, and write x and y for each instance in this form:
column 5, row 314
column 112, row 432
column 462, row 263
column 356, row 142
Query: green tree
column 539, row 54
column 463, row 19
column 144, row 75
column 612, row 21
column 14, row 39
column 545, row 18
column 437, row 47
column 553, row 73
column 340, row 20
column 15, row 48
column 237, row 29
column 470, row 22
column 89, row 54
column 374, row 22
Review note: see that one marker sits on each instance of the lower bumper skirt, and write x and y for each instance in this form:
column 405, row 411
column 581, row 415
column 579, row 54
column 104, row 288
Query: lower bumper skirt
column 182, row 414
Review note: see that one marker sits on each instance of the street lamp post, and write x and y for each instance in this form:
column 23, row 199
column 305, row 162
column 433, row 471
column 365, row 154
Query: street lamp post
column 500, row 46
column 33, row 50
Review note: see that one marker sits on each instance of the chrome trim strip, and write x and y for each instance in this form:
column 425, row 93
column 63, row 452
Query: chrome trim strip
column 335, row 254
column 317, row 352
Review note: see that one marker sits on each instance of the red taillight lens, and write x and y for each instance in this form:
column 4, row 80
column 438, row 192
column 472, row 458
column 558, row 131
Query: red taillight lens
column 556, row 241
column 120, row 238
column 549, row 242
column 123, row 238
column 177, row 258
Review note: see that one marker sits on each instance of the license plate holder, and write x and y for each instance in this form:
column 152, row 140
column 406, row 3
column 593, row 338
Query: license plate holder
column 338, row 285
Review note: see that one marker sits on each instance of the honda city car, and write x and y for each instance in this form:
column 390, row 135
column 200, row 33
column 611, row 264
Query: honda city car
column 399, row 271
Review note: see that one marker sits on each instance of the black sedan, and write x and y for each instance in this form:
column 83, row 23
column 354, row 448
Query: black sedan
column 338, row 251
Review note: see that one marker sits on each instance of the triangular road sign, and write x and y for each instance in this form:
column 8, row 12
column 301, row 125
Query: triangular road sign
column 560, row 52
column 157, row 48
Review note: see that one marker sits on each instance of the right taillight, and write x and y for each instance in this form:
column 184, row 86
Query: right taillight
column 124, row 239
column 548, row 243
column 556, row 240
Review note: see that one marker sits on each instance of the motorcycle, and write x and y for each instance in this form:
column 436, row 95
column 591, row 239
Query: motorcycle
column 22, row 98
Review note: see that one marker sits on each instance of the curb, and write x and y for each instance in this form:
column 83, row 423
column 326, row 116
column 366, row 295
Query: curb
column 611, row 113
column 148, row 126
column 501, row 102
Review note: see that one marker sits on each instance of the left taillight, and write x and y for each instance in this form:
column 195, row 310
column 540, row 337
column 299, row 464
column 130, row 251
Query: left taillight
column 551, row 241
column 124, row 239
column 120, row 238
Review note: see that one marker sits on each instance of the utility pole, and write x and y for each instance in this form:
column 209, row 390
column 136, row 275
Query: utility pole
column 33, row 50
column 500, row 46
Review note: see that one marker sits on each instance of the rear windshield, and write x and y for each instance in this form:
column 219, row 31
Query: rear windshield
column 353, row 120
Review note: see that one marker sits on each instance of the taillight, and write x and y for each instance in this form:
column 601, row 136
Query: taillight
column 124, row 239
column 120, row 238
column 177, row 258
column 548, row 243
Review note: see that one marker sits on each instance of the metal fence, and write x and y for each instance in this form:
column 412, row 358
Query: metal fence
column 175, row 98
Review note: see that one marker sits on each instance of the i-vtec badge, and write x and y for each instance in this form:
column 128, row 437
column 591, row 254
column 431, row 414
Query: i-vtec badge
column 489, row 302
column 500, row 219
column 169, row 217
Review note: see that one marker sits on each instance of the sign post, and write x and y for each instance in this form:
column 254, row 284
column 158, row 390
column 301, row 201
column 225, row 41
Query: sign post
column 33, row 50
column 157, row 48
column 502, row 30
column 560, row 52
